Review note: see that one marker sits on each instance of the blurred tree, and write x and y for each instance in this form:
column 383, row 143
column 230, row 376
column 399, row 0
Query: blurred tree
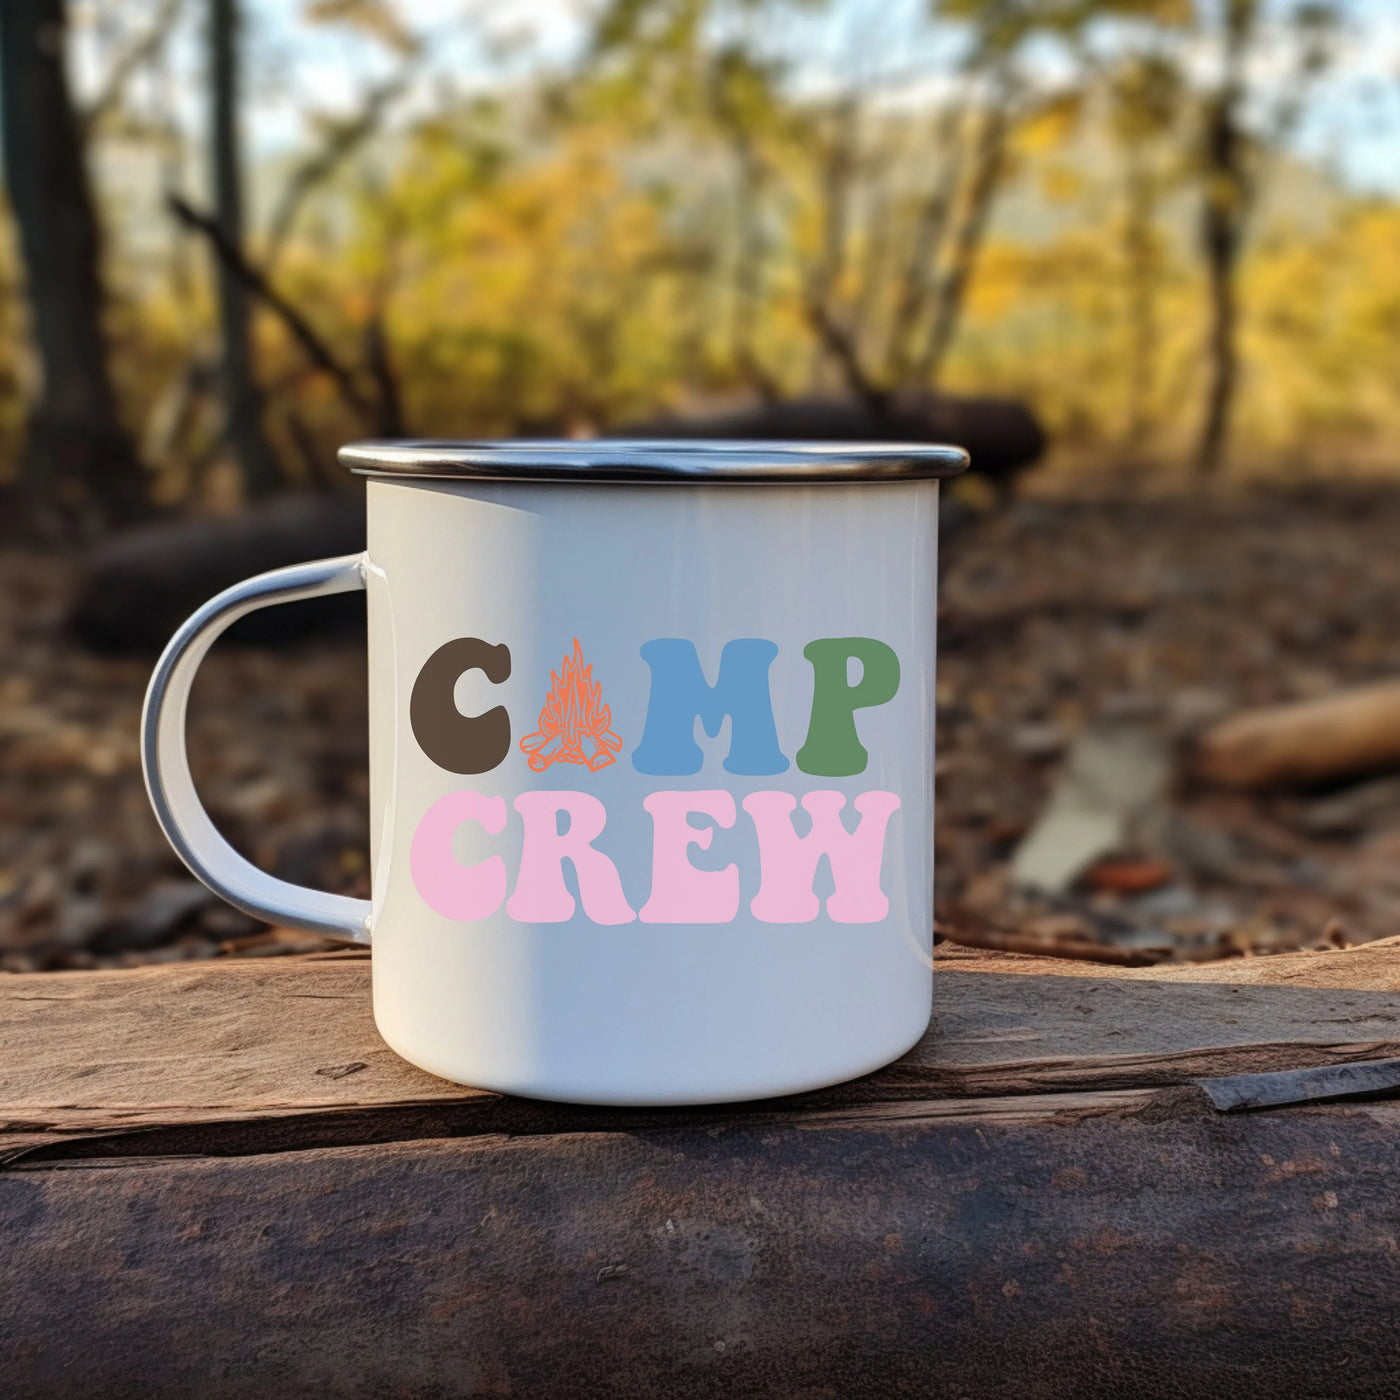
column 540, row 290
column 886, row 239
column 999, row 30
column 141, row 47
column 79, row 469
column 1001, row 103
column 343, row 136
column 242, row 398
column 735, row 198
column 367, row 387
column 1146, row 101
column 1225, row 202
column 1230, row 158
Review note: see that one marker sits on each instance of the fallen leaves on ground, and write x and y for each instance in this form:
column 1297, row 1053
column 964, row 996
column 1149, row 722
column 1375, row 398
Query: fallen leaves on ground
column 1069, row 618
column 1058, row 615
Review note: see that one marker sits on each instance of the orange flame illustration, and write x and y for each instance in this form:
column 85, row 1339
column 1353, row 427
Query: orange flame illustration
column 574, row 727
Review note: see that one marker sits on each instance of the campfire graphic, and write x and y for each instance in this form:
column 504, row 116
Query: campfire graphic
column 573, row 725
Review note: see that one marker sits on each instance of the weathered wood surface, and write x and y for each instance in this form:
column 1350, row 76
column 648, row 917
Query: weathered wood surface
column 219, row 1181
column 1372, row 967
column 287, row 1048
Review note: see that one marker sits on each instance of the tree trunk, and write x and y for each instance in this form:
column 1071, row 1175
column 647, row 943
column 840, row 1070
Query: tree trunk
column 242, row 398
column 79, row 467
column 1224, row 368
column 1222, row 235
column 919, row 274
column 832, row 325
column 1139, row 250
column 748, row 272
column 951, row 289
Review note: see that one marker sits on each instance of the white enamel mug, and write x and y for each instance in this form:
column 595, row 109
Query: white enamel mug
column 651, row 761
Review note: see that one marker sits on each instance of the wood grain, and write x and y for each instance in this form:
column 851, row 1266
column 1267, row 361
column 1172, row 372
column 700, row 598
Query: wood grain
column 1373, row 967
column 274, row 1054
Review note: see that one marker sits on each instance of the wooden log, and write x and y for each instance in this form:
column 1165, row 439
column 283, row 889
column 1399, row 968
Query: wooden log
column 138, row 586
column 1148, row 1248
column 219, row 1180
column 1003, row 436
column 1305, row 744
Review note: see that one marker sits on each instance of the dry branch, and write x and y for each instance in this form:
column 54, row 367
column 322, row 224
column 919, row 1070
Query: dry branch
column 316, row 349
column 141, row 50
column 322, row 164
column 842, row 347
column 966, row 238
column 921, row 267
column 1305, row 744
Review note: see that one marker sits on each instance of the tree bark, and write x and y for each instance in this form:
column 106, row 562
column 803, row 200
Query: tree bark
column 79, row 468
column 242, row 398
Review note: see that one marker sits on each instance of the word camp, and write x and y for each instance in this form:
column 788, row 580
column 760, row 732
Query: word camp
column 575, row 727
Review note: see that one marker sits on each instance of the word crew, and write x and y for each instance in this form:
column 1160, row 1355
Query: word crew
column 575, row 727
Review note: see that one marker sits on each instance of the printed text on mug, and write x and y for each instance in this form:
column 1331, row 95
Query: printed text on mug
column 575, row 727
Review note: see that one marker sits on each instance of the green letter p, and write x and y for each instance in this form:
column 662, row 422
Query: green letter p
column 833, row 748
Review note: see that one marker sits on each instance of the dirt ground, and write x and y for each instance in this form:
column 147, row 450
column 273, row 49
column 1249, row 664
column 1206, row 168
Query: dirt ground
column 1059, row 615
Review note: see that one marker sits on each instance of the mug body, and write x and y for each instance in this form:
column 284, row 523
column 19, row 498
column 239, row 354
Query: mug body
column 651, row 781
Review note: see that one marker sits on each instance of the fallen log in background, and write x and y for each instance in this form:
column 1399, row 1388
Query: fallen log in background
column 1003, row 436
column 140, row 585
column 1305, row 744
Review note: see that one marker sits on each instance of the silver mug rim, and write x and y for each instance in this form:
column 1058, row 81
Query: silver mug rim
column 659, row 460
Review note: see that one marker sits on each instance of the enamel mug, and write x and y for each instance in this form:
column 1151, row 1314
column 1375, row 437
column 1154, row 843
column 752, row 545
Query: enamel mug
column 651, row 761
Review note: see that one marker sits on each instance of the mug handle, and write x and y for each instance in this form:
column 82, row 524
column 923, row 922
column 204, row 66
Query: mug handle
column 167, row 770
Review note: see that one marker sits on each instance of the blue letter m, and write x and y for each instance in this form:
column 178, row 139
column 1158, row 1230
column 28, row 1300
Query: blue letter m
column 680, row 696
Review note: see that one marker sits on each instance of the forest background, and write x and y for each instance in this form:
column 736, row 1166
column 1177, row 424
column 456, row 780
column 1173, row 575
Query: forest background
column 236, row 234
column 240, row 234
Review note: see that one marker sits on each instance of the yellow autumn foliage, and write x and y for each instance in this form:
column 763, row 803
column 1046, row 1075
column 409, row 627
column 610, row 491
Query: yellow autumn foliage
column 579, row 274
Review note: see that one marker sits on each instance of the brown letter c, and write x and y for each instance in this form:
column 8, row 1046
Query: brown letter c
column 460, row 743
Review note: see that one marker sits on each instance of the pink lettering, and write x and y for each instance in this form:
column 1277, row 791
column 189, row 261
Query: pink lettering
column 681, row 894
column 541, row 896
column 788, row 862
column 449, row 888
